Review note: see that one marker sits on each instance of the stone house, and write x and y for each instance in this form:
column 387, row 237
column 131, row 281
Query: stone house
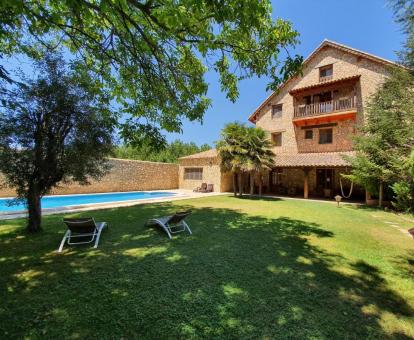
column 203, row 167
column 311, row 121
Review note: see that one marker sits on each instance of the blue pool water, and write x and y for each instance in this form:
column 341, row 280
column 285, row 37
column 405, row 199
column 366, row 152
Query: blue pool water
column 70, row 200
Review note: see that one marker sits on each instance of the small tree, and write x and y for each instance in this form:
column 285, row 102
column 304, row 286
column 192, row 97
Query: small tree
column 53, row 129
column 387, row 138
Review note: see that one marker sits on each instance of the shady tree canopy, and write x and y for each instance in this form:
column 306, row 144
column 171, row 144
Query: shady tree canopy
column 152, row 55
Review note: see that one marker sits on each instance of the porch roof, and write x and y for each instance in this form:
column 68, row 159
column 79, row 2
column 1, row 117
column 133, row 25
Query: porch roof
column 323, row 159
column 324, row 84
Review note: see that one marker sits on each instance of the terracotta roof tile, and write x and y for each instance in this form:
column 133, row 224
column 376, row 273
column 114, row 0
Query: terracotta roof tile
column 325, row 83
column 212, row 153
column 333, row 159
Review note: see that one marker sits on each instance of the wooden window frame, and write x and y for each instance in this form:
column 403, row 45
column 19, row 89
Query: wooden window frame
column 326, row 140
column 273, row 135
column 310, row 132
column 277, row 113
column 277, row 176
column 193, row 174
column 325, row 77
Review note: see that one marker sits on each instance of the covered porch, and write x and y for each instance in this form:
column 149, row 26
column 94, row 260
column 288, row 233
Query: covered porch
column 311, row 175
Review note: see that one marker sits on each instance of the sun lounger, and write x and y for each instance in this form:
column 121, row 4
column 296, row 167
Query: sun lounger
column 210, row 188
column 86, row 230
column 202, row 188
column 172, row 224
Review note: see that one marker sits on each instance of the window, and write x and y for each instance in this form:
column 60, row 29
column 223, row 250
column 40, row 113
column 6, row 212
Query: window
column 277, row 139
column 325, row 136
column 277, row 111
column 193, row 173
column 325, row 73
column 277, row 176
column 308, row 134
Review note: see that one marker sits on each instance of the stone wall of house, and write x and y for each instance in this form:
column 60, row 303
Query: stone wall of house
column 124, row 175
column 344, row 65
column 211, row 173
column 342, row 132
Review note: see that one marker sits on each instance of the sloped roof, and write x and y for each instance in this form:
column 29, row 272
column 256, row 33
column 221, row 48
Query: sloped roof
column 332, row 159
column 212, row 153
column 326, row 43
column 325, row 83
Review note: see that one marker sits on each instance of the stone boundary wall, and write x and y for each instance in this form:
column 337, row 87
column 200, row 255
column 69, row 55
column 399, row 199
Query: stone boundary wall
column 124, row 175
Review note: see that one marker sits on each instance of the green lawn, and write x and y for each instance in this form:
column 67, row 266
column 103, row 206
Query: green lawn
column 252, row 268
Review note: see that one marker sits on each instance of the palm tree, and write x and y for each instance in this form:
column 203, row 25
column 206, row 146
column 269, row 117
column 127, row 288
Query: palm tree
column 260, row 156
column 233, row 153
column 245, row 149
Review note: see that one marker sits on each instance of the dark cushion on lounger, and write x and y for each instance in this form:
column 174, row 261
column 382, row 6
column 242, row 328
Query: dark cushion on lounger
column 80, row 225
column 178, row 217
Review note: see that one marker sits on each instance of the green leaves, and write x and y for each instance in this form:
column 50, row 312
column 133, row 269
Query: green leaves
column 54, row 128
column 387, row 138
column 152, row 56
column 170, row 153
column 244, row 148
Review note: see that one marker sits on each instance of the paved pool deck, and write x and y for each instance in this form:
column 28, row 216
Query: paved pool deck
column 180, row 194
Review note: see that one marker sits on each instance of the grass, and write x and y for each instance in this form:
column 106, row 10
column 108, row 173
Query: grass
column 253, row 268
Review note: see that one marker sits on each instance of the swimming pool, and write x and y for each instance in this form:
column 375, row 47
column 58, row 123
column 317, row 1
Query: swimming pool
column 62, row 201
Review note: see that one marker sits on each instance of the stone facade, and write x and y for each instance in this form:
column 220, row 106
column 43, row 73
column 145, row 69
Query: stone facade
column 355, row 77
column 124, row 175
column 308, row 166
column 342, row 132
column 211, row 172
column 344, row 64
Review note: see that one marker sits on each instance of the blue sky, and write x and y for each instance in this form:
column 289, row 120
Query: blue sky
column 367, row 25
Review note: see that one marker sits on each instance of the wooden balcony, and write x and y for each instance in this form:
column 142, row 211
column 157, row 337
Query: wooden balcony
column 332, row 106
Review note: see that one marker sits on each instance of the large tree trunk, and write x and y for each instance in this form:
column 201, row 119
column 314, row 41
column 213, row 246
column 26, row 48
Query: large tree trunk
column 251, row 182
column 35, row 210
column 240, row 184
column 235, row 183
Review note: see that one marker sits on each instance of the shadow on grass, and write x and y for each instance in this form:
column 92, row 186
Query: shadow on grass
column 259, row 198
column 237, row 276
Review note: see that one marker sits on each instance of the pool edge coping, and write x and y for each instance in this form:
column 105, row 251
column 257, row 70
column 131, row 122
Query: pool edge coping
column 178, row 195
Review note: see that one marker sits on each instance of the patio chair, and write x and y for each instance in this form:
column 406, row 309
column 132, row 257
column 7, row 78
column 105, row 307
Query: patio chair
column 172, row 224
column 200, row 189
column 209, row 188
column 86, row 230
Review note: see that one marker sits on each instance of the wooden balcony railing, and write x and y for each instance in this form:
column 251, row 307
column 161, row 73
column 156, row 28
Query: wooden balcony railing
column 331, row 106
